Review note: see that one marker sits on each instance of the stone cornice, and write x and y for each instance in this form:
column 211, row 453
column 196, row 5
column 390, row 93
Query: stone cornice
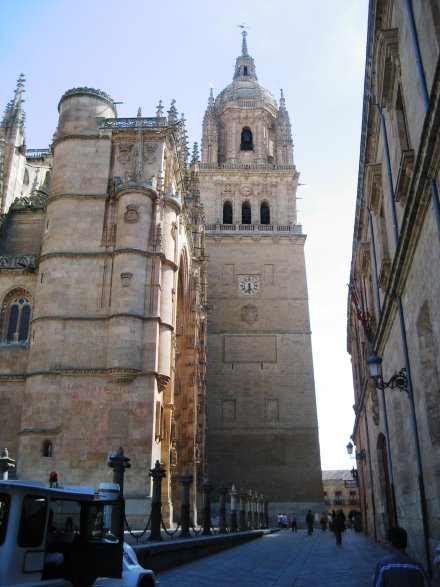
column 124, row 251
column 96, row 317
column 94, row 137
column 73, row 196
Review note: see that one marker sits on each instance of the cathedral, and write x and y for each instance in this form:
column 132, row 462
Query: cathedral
column 158, row 304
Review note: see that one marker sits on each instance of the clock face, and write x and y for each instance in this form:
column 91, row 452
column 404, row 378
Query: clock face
column 248, row 285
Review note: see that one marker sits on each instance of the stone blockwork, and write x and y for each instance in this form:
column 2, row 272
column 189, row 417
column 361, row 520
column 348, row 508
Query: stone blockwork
column 394, row 307
column 102, row 286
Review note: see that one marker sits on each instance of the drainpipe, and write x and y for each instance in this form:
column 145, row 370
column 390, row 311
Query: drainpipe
column 425, row 97
column 413, row 416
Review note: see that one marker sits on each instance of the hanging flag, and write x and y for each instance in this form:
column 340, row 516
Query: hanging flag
column 362, row 315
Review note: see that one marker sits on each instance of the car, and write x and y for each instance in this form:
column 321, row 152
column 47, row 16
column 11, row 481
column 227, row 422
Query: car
column 65, row 537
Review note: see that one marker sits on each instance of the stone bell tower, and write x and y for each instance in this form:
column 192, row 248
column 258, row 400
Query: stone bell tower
column 262, row 421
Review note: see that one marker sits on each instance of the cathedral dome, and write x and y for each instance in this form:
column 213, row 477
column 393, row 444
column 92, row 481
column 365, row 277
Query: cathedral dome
column 245, row 87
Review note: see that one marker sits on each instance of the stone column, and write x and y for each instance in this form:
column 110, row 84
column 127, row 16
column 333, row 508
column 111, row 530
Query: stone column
column 256, row 517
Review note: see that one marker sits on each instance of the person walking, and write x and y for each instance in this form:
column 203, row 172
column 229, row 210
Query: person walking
column 398, row 569
column 323, row 522
column 309, row 522
column 339, row 527
column 293, row 522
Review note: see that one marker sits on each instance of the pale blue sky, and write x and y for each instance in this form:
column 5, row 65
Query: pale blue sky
column 140, row 51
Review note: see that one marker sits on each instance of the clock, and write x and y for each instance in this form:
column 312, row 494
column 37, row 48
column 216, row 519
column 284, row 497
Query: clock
column 248, row 285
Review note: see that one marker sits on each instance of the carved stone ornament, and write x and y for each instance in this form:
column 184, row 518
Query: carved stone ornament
column 249, row 313
column 131, row 214
column 126, row 279
column 246, row 190
column 150, row 152
column 125, row 152
column 162, row 381
column 375, row 406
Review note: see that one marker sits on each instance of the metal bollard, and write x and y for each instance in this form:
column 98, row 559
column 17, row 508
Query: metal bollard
column 6, row 464
column 185, row 521
column 222, row 510
column 156, row 501
column 206, row 488
column 233, row 494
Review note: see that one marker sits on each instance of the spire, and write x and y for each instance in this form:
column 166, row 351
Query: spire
column 14, row 113
column 282, row 101
column 139, row 114
column 211, row 100
column 244, row 66
column 195, row 153
column 244, row 49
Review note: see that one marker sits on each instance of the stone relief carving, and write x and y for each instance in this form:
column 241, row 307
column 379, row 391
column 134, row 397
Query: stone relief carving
column 150, row 152
column 249, row 313
column 125, row 152
column 131, row 214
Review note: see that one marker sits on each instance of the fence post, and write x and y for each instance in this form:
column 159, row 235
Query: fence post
column 186, row 479
column 156, row 501
column 233, row 493
column 206, row 488
column 6, row 464
column 222, row 510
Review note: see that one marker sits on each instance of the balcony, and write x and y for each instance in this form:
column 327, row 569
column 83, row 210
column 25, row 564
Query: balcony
column 254, row 228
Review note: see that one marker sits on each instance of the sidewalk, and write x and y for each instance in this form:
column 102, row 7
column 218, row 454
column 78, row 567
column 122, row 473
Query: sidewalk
column 284, row 559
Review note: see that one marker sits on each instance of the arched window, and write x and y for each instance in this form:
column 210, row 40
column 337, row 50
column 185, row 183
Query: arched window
column 245, row 70
column 47, row 448
column 246, row 139
column 264, row 213
column 227, row 213
column 246, row 213
column 15, row 317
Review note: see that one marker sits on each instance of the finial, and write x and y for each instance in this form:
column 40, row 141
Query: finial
column 159, row 112
column 195, row 153
column 139, row 114
column 282, row 101
column 172, row 112
column 244, row 48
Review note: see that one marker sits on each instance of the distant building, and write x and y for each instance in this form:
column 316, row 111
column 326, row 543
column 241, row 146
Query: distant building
column 341, row 492
column 394, row 306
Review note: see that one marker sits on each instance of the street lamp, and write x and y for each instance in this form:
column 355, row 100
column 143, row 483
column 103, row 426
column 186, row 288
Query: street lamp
column 359, row 456
column 398, row 380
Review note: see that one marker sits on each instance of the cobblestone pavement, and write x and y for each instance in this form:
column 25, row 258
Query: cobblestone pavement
column 284, row 559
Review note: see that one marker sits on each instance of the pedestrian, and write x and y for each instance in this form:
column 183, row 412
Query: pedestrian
column 339, row 527
column 323, row 522
column 330, row 522
column 293, row 522
column 309, row 522
column 283, row 521
column 398, row 569
column 280, row 520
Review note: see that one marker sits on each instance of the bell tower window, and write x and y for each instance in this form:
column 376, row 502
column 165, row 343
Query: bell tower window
column 227, row 213
column 246, row 213
column 245, row 71
column 264, row 213
column 246, row 140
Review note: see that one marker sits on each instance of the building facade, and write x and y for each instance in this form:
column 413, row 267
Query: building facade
column 394, row 308
column 262, row 421
column 102, row 288
column 103, row 284
column 341, row 492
